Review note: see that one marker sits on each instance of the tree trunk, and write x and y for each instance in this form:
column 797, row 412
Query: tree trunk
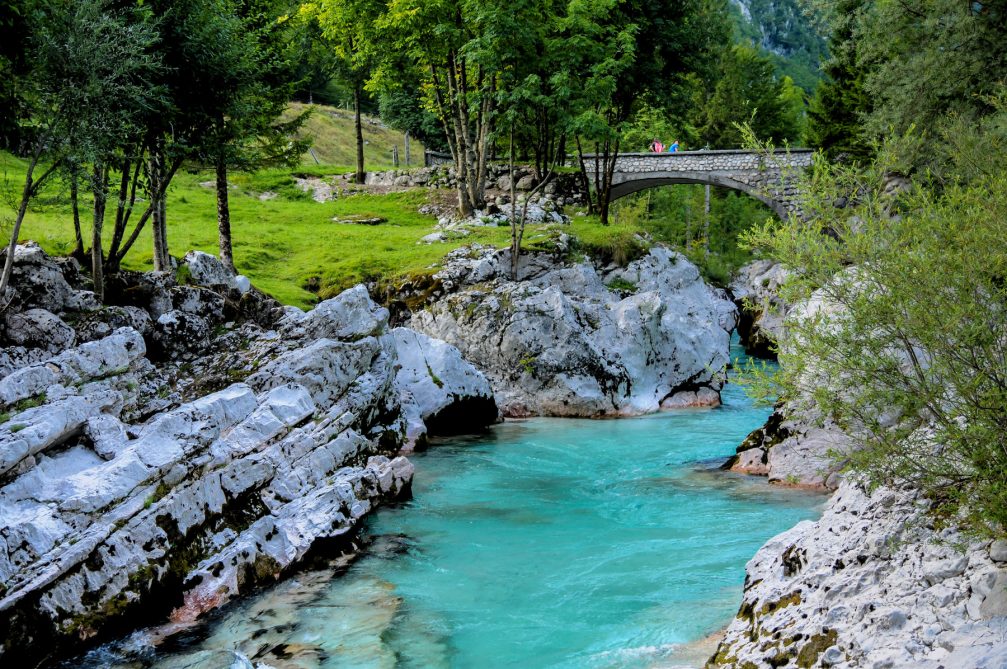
column 359, row 129
column 515, row 238
column 224, row 216
column 605, row 187
column 159, row 223
column 123, row 210
column 155, row 206
column 407, row 156
column 688, row 226
column 78, row 250
column 706, row 221
column 100, row 190
column 584, row 177
column 26, row 193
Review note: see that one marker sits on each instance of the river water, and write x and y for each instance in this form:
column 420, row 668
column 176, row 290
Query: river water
column 544, row 543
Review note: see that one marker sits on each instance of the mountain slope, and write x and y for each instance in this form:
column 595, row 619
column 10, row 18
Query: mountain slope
column 782, row 28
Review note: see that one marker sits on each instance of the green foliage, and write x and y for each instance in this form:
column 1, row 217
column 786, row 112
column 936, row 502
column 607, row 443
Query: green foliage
column 286, row 243
column 903, row 344
column 649, row 123
column 784, row 29
column 748, row 91
column 30, row 403
column 622, row 286
column 15, row 18
column 675, row 215
column 331, row 133
column 183, row 276
column 916, row 63
column 837, row 110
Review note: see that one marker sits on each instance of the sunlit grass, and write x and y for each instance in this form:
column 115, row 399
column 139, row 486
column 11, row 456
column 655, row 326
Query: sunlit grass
column 289, row 243
column 334, row 140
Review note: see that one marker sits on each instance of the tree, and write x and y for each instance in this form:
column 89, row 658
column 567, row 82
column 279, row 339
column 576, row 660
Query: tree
column 917, row 62
column 837, row 111
column 348, row 26
column 15, row 20
column 901, row 339
column 88, row 78
column 454, row 46
column 748, row 91
column 250, row 96
column 659, row 48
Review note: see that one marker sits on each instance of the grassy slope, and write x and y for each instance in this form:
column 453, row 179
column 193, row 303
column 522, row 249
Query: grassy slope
column 290, row 242
column 333, row 137
column 286, row 243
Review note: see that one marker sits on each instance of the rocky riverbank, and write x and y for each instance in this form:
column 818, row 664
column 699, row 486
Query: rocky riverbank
column 876, row 582
column 167, row 453
column 163, row 453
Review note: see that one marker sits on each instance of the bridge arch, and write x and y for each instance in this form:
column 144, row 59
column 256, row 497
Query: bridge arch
column 647, row 180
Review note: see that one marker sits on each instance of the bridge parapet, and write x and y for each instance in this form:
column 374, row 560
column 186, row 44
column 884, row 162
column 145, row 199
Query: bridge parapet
column 711, row 161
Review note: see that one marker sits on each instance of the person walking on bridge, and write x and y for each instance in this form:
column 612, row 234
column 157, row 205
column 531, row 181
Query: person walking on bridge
column 656, row 146
column 673, row 147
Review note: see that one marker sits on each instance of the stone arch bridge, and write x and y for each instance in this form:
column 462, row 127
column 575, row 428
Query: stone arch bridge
column 771, row 179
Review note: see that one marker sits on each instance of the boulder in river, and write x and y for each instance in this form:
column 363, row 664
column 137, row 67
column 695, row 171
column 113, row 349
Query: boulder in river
column 573, row 339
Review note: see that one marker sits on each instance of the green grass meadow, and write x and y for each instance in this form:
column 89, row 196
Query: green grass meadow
column 291, row 248
column 290, row 243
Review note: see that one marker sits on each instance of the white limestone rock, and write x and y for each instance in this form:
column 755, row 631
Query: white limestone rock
column 30, row 432
column 38, row 328
column 107, row 435
column 871, row 584
column 560, row 342
column 102, row 323
column 440, row 392
column 207, row 270
column 41, row 284
column 94, row 512
column 178, row 332
column 203, row 302
column 755, row 288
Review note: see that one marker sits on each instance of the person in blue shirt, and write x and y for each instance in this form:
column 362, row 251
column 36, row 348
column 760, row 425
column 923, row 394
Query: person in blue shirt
column 673, row 147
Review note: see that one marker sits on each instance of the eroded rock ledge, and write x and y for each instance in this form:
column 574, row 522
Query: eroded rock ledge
column 755, row 289
column 132, row 485
column 570, row 338
column 871, row 584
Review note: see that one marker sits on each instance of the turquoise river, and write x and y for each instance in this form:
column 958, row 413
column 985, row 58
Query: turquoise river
column 543, row 543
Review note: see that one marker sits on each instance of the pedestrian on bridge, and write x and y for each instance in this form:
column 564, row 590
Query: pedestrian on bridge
column 673, row 147
column 656, row 146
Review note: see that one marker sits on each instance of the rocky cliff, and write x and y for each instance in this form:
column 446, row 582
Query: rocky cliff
column 167, row 453
column 570, row 338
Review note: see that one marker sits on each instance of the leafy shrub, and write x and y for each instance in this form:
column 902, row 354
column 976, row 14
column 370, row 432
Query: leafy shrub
column 908, row 350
